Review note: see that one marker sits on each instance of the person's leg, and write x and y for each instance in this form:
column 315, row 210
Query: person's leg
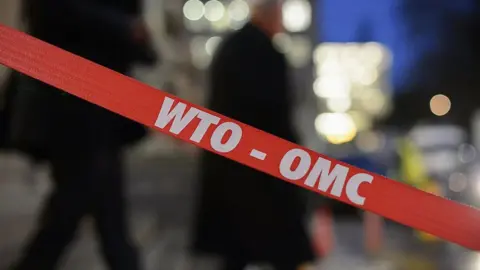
column 58, row 222
column 109, row 212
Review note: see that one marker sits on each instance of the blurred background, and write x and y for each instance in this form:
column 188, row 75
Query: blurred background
column 391, row 86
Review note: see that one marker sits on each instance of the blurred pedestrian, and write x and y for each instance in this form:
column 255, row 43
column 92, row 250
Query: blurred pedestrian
column 246, row 216
column 82, row 142
column 7, row 90
column 10, row 16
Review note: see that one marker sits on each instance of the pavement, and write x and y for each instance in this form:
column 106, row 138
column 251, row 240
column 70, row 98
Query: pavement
column 161, row 194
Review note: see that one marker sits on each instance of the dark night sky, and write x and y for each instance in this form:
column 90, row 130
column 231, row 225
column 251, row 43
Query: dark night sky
column 382, row 21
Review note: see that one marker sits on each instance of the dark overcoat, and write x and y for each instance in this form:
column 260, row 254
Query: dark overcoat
column 243, row 212
column 7, row 91
column 45, row 119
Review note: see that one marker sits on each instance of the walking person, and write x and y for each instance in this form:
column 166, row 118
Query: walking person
column 82, row 142
column 246, row 216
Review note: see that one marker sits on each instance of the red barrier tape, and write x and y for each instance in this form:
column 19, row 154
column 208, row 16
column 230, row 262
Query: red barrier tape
column 447, row 219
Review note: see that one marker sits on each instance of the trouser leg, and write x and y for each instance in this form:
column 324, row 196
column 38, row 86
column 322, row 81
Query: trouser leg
column 109, row 213
column 64, row 208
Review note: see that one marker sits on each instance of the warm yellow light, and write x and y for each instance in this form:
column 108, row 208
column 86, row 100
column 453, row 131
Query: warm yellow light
column 361, row 119
column 332, row 86
column 337, row 128
column 373, row 54
column 322, row 52
column 339, row 104
column 373, row 100
column 340, row 139
column 440, row 105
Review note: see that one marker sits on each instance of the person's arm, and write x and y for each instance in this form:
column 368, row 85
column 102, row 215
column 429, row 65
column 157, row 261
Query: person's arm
column 264, row 88
column 260, row 79
column 91, row 15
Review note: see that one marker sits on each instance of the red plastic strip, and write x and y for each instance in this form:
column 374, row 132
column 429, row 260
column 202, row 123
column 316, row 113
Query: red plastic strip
column 209, row 130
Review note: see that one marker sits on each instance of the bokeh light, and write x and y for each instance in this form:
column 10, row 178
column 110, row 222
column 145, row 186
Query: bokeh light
column 440, row 105
column 211, row 44
column 457, row 182
column 337, row 128
column 297, row 15
column 339, row 104
column 370, row 141
column 193, row 10
column 214, row 10
column 238, row 10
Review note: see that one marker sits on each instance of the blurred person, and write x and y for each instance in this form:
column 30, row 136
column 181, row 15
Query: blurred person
column 82, row 142
column 7, row 91
column 246, row 216
column 9, row 15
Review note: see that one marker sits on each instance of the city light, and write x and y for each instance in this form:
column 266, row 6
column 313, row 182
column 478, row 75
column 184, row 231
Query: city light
column 217, row 17
column 339, row 104
column 330, row 66
column 193, row 10
column 475, row 182
column 296, row 48
column 364, row 75
column 457, row 182
column 373, row 54
column 467, row 153
column 297, row 15
column 474, row 261
column 222, row 25
column 370, row 141
column 361, row 119
column 198, row 50
column 324, row 52
column 235, row 25
column 440, row 105
column 283, row 42
column 332, row 86
column 337, row 128
column 214, row 10
column 238, row 10
column 372, row 100
column 351, row 76
column 299, row 55
column 212, row 44
column 477, row 188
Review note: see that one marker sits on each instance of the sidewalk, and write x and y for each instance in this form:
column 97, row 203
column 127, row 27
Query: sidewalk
column 161, row 197
column 155, row 184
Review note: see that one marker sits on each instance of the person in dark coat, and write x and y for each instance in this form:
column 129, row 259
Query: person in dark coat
column 243, row 215
column 82, row 142
column 7, row 91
